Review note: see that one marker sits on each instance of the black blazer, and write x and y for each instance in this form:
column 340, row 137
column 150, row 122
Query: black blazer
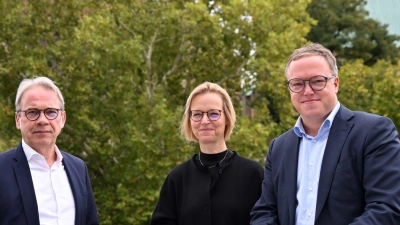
column 359, row 181
column 17, row 195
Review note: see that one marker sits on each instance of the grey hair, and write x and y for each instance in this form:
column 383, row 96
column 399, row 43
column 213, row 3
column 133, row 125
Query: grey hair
column 37, row 81
column 311, row 50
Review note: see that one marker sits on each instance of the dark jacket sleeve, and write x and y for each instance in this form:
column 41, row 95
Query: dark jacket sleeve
column 381, row 178
column 166, row 212
column 85, row 206
column 265, row 211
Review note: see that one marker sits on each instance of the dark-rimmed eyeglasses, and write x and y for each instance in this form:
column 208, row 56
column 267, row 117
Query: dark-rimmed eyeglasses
column 212, row 114
column 34, row 114
column 316, row 83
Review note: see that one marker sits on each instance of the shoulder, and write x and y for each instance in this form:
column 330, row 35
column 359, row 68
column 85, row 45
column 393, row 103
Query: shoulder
column 365, row 120
column 288, row 138
column 6, row 156
column 7, row 153
column 247, row 164
column 182, row 168
column 70, row 159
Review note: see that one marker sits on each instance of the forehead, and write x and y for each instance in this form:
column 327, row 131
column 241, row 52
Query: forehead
column 38, row 96
column 309, row 66
column 207, row 100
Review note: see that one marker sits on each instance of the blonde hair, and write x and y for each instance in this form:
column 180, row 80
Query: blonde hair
column 228, row 110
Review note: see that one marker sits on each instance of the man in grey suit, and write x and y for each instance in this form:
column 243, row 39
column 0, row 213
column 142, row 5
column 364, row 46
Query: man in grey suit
column 336, row 166
column 39, row 183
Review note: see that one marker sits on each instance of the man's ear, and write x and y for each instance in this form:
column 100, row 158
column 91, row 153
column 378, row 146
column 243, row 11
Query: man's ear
column 17, row 121
column 63, row 118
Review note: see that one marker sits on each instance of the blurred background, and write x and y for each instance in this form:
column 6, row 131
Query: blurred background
column 126, row 68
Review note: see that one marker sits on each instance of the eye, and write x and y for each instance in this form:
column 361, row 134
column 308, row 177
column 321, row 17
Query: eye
column 318, row 80
column 197, row 115
column 213, row 115
column 296, row 83
column 32, row 112
column 51, row 112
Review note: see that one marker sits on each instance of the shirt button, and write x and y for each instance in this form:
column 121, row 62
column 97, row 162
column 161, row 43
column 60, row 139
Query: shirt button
column 311, row 164
column 309, row 214
column 314, row 140
column 310, row 188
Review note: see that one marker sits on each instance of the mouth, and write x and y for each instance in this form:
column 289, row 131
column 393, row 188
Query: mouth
column 205, row 129
column 309, row 101
column 41, row 132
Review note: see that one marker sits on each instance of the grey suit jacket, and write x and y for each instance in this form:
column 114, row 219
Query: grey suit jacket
column 359, row 181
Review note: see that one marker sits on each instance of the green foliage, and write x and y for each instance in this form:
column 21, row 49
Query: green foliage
column 344, row 27
column 372, row 89
column 126, row 68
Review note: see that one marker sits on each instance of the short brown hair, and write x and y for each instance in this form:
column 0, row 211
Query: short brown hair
column 311, row 50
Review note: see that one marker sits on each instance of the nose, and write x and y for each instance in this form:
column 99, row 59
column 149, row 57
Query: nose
column 307, row 88
column 42, row 118
column 205, row 118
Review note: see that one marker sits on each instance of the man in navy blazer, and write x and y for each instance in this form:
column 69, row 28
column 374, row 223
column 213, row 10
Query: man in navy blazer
column 336, row 166
column 39, row 183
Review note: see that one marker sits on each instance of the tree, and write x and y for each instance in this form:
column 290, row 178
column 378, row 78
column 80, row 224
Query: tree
column 126, row 68
column 373, row 89
column 344, row 28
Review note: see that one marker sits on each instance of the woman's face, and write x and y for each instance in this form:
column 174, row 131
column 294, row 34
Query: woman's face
column 208, row 131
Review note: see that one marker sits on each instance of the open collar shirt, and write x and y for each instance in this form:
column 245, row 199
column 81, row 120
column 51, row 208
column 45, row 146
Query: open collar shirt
column 311, row 153
column 52, row 189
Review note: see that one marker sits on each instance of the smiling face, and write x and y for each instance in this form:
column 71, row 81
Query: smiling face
column 42, row 133
column 313, row 106
column 205, row 130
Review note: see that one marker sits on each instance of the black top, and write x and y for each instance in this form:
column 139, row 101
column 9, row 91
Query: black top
column 193, row 194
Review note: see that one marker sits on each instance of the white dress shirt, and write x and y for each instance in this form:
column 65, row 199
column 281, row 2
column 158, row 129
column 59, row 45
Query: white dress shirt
column 311, row 153
column 53, row 192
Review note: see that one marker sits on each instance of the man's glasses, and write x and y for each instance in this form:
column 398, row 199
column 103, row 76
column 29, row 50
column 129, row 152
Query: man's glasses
column 34, row 114
column 316, row 83
column 212, row 114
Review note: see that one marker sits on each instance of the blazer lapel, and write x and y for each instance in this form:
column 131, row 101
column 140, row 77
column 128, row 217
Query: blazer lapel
column 25, row 185
column 291, row 155
column 337, row 136
column 73, row 176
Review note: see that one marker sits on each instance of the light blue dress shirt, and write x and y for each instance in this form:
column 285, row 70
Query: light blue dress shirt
column 311, row 153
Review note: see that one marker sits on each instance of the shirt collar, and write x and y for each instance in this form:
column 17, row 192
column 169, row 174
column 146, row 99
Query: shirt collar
column 30, row 152
column 299, row 129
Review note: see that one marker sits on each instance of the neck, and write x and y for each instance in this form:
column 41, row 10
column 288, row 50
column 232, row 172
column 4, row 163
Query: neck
column 311, row 127
column 49, row 155
column 212, row 148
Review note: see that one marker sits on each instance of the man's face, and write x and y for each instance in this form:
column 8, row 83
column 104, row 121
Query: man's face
column 42, row 133
column 313, row 105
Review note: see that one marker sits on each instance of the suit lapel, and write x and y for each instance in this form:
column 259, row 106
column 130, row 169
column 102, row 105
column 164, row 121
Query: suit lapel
column 25, row 185
column 74, row 183
column 337, row 136
column 291, row 148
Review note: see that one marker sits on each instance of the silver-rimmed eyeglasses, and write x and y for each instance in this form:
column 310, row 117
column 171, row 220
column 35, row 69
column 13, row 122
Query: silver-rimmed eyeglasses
column 316, row 83
column 212, row 114
column 34, row 114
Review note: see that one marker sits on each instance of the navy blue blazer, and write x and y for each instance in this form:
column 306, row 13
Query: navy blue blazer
column 360, row 175
column 17, row 195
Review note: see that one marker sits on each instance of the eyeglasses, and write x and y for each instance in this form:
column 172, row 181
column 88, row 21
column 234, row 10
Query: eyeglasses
column 34, row 114
column 316, row 83
column 212, row 114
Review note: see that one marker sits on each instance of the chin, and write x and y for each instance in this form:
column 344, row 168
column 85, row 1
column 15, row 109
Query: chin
column 206, row 140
